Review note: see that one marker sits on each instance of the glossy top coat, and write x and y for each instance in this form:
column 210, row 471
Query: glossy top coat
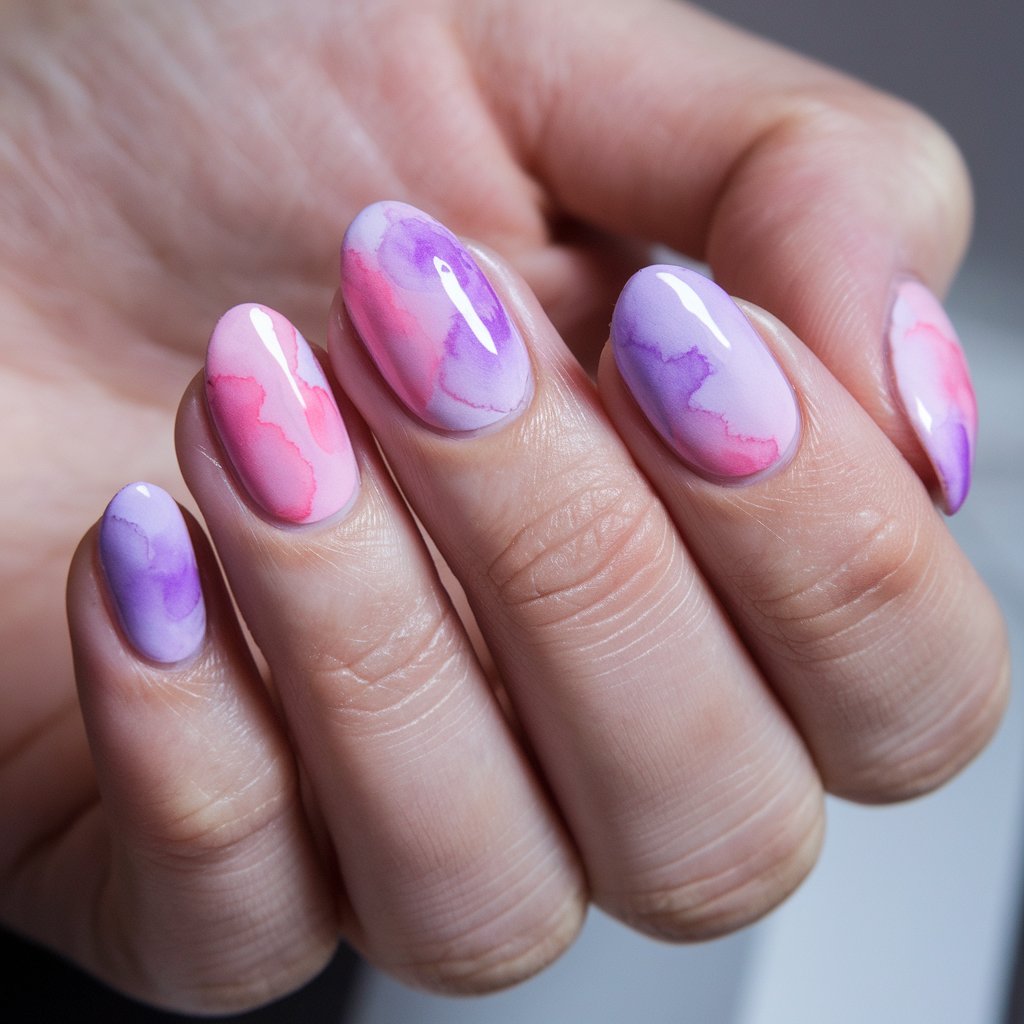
column 431, row 320
column 934, row 384
column 702, row 374
column 276, row 415
column 147, row 558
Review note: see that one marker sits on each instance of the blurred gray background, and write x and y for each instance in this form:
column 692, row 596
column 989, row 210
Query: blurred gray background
column 912, row 915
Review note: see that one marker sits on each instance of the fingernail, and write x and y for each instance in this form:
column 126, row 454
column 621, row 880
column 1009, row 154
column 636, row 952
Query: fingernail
column 431, row 320
column 147, row 558
column 702, row 375
column 934, row 385
column 274, row 411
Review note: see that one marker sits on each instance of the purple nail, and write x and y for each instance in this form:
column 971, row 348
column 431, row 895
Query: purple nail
column 431, row 320
column 934, row 385
column 150, row 566
column 702, row 375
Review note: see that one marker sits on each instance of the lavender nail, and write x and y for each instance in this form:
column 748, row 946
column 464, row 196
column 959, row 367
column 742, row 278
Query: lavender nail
column 702, row 375
column 151, row 568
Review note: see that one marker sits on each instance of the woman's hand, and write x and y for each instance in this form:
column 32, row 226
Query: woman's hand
column 689, row 663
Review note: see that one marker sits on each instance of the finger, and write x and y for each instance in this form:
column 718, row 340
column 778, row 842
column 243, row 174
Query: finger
column 824, row 201
column 685, row 787
column 215, row 900
column 882, row 641
column 457, row 870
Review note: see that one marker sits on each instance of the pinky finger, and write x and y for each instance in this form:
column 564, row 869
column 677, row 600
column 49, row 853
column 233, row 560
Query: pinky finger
column 215, row 900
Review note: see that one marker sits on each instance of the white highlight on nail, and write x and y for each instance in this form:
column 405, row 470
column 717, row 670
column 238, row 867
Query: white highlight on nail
column 265, row 329
column 693, row 303
column 924, row 415
column 143, row 490
column 457, row 294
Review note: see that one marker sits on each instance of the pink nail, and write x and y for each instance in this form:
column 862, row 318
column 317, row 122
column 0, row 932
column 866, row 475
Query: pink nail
column 277, row 418
column 934, row 384
column 431, row 320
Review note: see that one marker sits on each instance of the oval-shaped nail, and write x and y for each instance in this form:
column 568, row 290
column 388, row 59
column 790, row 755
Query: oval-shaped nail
column 702, row 375
column 277, row 418
column 150, row 567
column 934, row 385
column 431, row 320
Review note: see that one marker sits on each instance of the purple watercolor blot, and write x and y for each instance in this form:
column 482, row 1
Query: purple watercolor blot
column 934, row 385
column 431, row 320
column 702, row 375
column 150, row 566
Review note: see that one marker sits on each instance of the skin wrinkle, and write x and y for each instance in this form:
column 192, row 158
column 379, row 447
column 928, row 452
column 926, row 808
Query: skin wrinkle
column 573, row 548
column 423, row 642
column 916, row 764
column 804, row 618
column 728, row 806
column 489, row 869
column 712, row 796
column 627, row 644
column 694, row 913
column 481, row 975
column 405, row 733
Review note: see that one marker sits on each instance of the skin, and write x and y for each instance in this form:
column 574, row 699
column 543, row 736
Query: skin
column 169, row 162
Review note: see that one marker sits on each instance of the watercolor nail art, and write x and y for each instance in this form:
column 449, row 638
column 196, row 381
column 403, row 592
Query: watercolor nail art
column 147, row 558
column 702, row 375
column 431, row 320
column 934, row 385
column 275, row 413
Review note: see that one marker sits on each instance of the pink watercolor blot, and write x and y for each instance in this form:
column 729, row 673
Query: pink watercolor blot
column 274, row 411
column 703, row 376
column 431, row 321
column 934, row 385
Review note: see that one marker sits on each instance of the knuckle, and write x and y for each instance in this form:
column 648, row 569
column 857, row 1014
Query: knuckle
column 729, row 881
column 933, row 746
column 595, row 536
column 824, row 615
column 490, row 956
column 201, row 822
column 395, row 659
column 235, row 963
column 910, row 160
column 235, row 991
column 903, row 675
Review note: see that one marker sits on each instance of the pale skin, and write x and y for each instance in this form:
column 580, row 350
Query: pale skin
column 691, row 667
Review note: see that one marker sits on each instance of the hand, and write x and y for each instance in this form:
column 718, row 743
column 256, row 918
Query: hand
column 172, row 162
